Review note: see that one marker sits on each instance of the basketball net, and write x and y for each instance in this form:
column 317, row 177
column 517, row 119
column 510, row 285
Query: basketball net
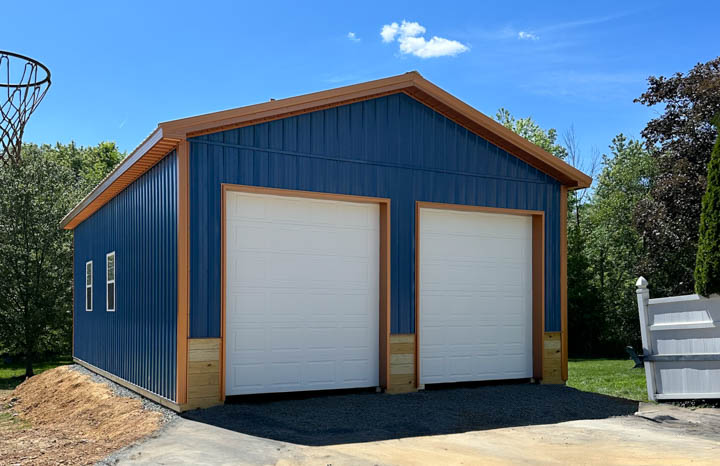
column 23, row 84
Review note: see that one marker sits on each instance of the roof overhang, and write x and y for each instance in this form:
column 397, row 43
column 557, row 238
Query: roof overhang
column 169, row 133
column 151, row 151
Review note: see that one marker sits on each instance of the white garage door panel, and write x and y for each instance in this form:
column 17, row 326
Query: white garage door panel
column 475, row 296
column 302, row 294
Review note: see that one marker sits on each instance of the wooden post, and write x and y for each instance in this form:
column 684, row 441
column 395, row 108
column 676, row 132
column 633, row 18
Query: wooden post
column 183, row 269
column 643, row 298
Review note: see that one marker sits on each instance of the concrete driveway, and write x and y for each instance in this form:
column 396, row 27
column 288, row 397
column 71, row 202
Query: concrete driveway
column 489, row 425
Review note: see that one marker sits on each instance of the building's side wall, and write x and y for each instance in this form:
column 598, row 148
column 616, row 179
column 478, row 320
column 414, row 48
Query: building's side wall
column 137, row 342
column 390, row 147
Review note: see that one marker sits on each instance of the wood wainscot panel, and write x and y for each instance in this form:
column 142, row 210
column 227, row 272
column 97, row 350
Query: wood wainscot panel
column 552, row 358
column 402, row 364
column 203, row 383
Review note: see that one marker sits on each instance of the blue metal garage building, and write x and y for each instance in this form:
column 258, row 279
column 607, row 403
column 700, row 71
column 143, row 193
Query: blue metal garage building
column 198, row 269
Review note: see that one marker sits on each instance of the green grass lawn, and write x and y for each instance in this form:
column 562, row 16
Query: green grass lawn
column 614, row 377
column 12, row 375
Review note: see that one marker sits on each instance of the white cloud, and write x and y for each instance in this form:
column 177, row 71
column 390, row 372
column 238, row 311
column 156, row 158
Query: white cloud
column 435, row 47
column 389, row 31
column 410, row 37
column 523, row 35
column 353, row 37
column 411, row 29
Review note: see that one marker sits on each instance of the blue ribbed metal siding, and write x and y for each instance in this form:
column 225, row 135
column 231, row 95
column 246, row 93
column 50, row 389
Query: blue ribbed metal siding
column 137, row 342
column 392, row 147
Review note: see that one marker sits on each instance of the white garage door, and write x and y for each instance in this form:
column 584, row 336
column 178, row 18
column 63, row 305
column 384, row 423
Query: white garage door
column 475, row 296
column 302, row 294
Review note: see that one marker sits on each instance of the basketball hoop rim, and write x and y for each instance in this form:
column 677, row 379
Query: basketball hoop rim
column 31, row 60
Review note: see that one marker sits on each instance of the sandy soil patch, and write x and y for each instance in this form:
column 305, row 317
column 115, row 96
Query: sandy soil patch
column 63, row 417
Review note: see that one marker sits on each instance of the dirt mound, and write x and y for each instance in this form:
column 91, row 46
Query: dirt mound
column 63, row 417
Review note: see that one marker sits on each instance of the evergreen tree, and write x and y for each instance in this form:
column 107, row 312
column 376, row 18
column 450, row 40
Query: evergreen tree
column 707, row 265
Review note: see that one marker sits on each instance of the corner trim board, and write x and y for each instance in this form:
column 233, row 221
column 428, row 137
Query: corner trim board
column 563, row 284
column 183, row 268
column 72, row 349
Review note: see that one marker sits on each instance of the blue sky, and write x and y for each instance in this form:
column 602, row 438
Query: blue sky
column 120, row 68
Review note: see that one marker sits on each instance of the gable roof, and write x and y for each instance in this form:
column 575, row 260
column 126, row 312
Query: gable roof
column 168, row 134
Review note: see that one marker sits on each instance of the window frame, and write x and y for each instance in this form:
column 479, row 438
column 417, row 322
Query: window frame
column 108, row 282
column 89, row 286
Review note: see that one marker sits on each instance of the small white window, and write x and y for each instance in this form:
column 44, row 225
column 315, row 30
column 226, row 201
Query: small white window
column 88, row 286
column 110, row 262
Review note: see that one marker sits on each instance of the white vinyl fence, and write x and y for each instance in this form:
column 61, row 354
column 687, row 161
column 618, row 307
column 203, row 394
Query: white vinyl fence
column 681, row 344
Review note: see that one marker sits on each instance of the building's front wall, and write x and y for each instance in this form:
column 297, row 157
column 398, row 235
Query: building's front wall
column 390, row 147
column 137, row 342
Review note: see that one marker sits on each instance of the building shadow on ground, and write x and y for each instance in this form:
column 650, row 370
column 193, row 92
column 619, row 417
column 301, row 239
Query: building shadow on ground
column 330, row 418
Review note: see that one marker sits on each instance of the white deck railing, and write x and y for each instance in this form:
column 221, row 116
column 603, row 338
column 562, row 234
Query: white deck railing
column 681, row 344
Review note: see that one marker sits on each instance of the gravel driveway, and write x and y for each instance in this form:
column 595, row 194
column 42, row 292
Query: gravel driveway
column 504, row 424
column 363, row 417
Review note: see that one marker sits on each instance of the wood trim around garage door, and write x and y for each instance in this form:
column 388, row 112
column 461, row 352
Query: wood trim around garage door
column 384, row 262
column 563, row 284
column 538, row 275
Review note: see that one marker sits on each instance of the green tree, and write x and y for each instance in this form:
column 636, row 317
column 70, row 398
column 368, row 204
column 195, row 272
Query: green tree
column 586, row 322
column 530, row 130
column 614, row 246
column 707, row 267
column 35, row 255
column 680, row 139
column 585, row 308
column 89, row 164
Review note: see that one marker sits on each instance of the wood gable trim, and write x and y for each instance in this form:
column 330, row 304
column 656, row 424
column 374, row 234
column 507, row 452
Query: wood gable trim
column 168, row 134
